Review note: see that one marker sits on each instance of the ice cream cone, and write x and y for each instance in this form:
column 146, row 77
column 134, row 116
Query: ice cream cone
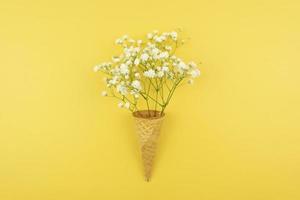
column 148, row 125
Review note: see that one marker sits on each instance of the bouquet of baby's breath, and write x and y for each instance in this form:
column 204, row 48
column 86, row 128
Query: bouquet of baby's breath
column 147, row 70
column 144, row 78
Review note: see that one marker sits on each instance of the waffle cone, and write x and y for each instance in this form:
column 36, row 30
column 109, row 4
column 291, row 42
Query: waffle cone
column 148, row 125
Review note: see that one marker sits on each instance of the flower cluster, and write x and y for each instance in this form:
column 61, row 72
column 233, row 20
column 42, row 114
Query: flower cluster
column 147, row 69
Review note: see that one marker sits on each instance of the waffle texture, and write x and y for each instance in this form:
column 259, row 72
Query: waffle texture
column 148, row 124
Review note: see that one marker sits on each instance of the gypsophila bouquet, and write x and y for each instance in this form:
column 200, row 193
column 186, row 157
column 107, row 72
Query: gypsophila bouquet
column 147, row 72
column 146, row 75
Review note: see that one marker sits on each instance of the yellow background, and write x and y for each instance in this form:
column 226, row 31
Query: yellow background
column 234, row 135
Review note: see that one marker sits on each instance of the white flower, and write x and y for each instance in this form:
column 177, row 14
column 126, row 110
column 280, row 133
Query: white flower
column 113, row 81
column 150, row 45
column 155, row 51
column 104, row 93
column 163, row 37
column 192, row 64
column 115, row 59
column 159, row 39
column 97, row 68
column 124, row 69
column 122, row 89
column 120, row 104
column 164, row 55
column 169, row 48
column 131, row 40
column 127, row 105
column 155, row 57
column 149, row 35
column 149, row 73
column 127, row 52
column 137, row 49
column 136, row 61
column 165, row 69
column 136, row 84
column 139, row 42
column 119, row 41
column 160, row 74
column 144, row 57
column 195, row 73
column 115, row 71
column 128, row 62
column 151, row 58
column 181, row 65
column 137, row 75
column 174, row 35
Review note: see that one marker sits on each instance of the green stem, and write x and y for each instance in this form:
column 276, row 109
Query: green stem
column 170, row 95
column 157, row 90
column 143, row 95
column 162, row 90
column 147, row 100
column 122, row 99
